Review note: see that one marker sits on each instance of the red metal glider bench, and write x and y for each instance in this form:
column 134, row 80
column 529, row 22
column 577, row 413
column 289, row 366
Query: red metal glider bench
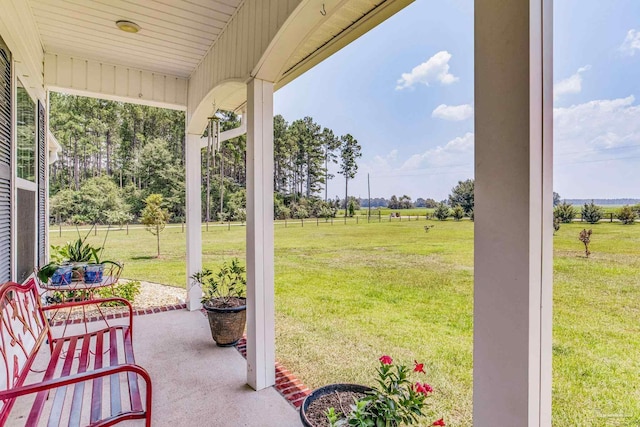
column 95, row 367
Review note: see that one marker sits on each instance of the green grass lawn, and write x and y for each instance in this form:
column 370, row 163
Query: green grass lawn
column 347, row 294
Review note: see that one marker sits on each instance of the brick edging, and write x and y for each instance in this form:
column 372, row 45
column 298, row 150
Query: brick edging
column 289, row 387
column 111, row 316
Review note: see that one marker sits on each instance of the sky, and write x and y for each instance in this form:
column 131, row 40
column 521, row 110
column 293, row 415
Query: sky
column 405, row 92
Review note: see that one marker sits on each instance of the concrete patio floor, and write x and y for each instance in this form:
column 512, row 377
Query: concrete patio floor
column 195, row 383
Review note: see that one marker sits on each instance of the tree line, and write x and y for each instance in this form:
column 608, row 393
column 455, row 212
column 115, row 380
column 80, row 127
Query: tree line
column 115, row 155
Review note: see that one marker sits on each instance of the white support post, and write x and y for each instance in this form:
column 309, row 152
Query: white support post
column 194, row 218
column 513, row 213
column 260, row 288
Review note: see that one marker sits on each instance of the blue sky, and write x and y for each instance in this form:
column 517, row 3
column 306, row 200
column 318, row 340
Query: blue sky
column 405, row 92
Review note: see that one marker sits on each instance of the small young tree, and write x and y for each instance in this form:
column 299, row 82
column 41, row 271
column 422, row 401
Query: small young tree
column 352, row 207
column 591, row 212
column 585, row 238
column 154, row 216
column 626, row 215
column 458, row 212
column 442, row 212
column 564, row 212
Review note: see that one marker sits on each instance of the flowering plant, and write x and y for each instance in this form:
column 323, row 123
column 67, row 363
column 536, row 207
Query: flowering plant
column 395, row 401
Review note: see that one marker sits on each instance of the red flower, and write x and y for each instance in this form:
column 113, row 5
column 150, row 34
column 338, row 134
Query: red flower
column 423, row 388
column 440, row 422
column 386, row 360
column 419, row 367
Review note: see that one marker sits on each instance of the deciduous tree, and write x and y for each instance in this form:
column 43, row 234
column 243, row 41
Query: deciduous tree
column 155, row 217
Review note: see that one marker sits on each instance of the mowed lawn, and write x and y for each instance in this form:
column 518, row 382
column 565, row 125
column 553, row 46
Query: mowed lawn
column 347, row 294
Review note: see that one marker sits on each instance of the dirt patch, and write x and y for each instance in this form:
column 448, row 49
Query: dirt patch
column 341, row 401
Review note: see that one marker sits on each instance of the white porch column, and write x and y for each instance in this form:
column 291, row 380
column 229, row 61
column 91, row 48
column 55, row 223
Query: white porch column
column 260, row 290
column 513, row 213
column 194, row 218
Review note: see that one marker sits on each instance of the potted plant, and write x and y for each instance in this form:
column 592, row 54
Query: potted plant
column 395, row 401
column 224, row 301
column 76, row 261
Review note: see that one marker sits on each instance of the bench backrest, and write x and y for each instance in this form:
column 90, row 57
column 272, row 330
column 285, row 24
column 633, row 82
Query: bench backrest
column 23, row 329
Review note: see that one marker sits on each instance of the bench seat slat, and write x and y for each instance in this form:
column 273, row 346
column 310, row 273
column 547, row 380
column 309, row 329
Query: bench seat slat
column 96, row 392
column 61, row 392
column 116, row 405
column 78, row 389
column 134, row 389
column 41, row 397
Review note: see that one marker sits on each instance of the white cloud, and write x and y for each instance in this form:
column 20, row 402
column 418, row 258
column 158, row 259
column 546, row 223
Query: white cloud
column 598, row 125
column 435, row 69
column 382, row 163
column 597, row 148
column 457, row 152
column 570, row 85
column 454, row 113
column 631, row 42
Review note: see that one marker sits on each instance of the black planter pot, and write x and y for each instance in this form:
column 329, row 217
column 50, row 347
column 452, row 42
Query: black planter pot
column 227, row 324
column 319, row 392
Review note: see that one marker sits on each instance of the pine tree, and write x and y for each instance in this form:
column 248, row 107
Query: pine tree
column 350, row 151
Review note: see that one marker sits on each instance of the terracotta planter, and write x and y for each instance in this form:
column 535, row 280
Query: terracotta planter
column 226, row 323
column 322, row 391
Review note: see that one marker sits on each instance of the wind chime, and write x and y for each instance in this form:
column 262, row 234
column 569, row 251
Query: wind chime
column 213, row 145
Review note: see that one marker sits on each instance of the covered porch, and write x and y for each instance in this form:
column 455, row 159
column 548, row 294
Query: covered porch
column 207, row 55
column 194, row 382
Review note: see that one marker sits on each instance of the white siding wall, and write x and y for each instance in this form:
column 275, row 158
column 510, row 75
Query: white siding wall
column 19, row 31
column 88, row 77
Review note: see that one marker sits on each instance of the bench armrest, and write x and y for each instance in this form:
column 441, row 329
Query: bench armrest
column 77, row 378
column 93, row 302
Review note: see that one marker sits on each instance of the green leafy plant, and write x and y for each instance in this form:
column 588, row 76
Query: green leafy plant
column 564, row 212
column 592, row 213
column 626, row 215
column 458, row 212
column 128, row 290
column 395, row 401
column 442, row 212
column 77, row 251
column 224, row 288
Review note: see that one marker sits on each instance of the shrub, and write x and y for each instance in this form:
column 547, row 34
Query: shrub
column 326, row 212
column 458, row 213
column 564, row 212
column 442, row 212
column 127, row 290
column 283, row 212
column 626, row 215
column 301, row 213
column 592, row 213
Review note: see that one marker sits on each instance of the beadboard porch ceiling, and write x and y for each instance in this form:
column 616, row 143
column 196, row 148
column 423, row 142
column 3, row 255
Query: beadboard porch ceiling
column 174, row 35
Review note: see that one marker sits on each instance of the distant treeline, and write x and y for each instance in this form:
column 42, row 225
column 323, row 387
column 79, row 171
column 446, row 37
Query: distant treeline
column 603, row 201
column 403, row 202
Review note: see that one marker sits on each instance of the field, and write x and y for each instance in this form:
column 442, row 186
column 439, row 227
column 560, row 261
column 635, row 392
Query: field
column 346, row 294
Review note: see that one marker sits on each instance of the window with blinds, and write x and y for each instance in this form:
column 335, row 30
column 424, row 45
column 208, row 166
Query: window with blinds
column 5, row 163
